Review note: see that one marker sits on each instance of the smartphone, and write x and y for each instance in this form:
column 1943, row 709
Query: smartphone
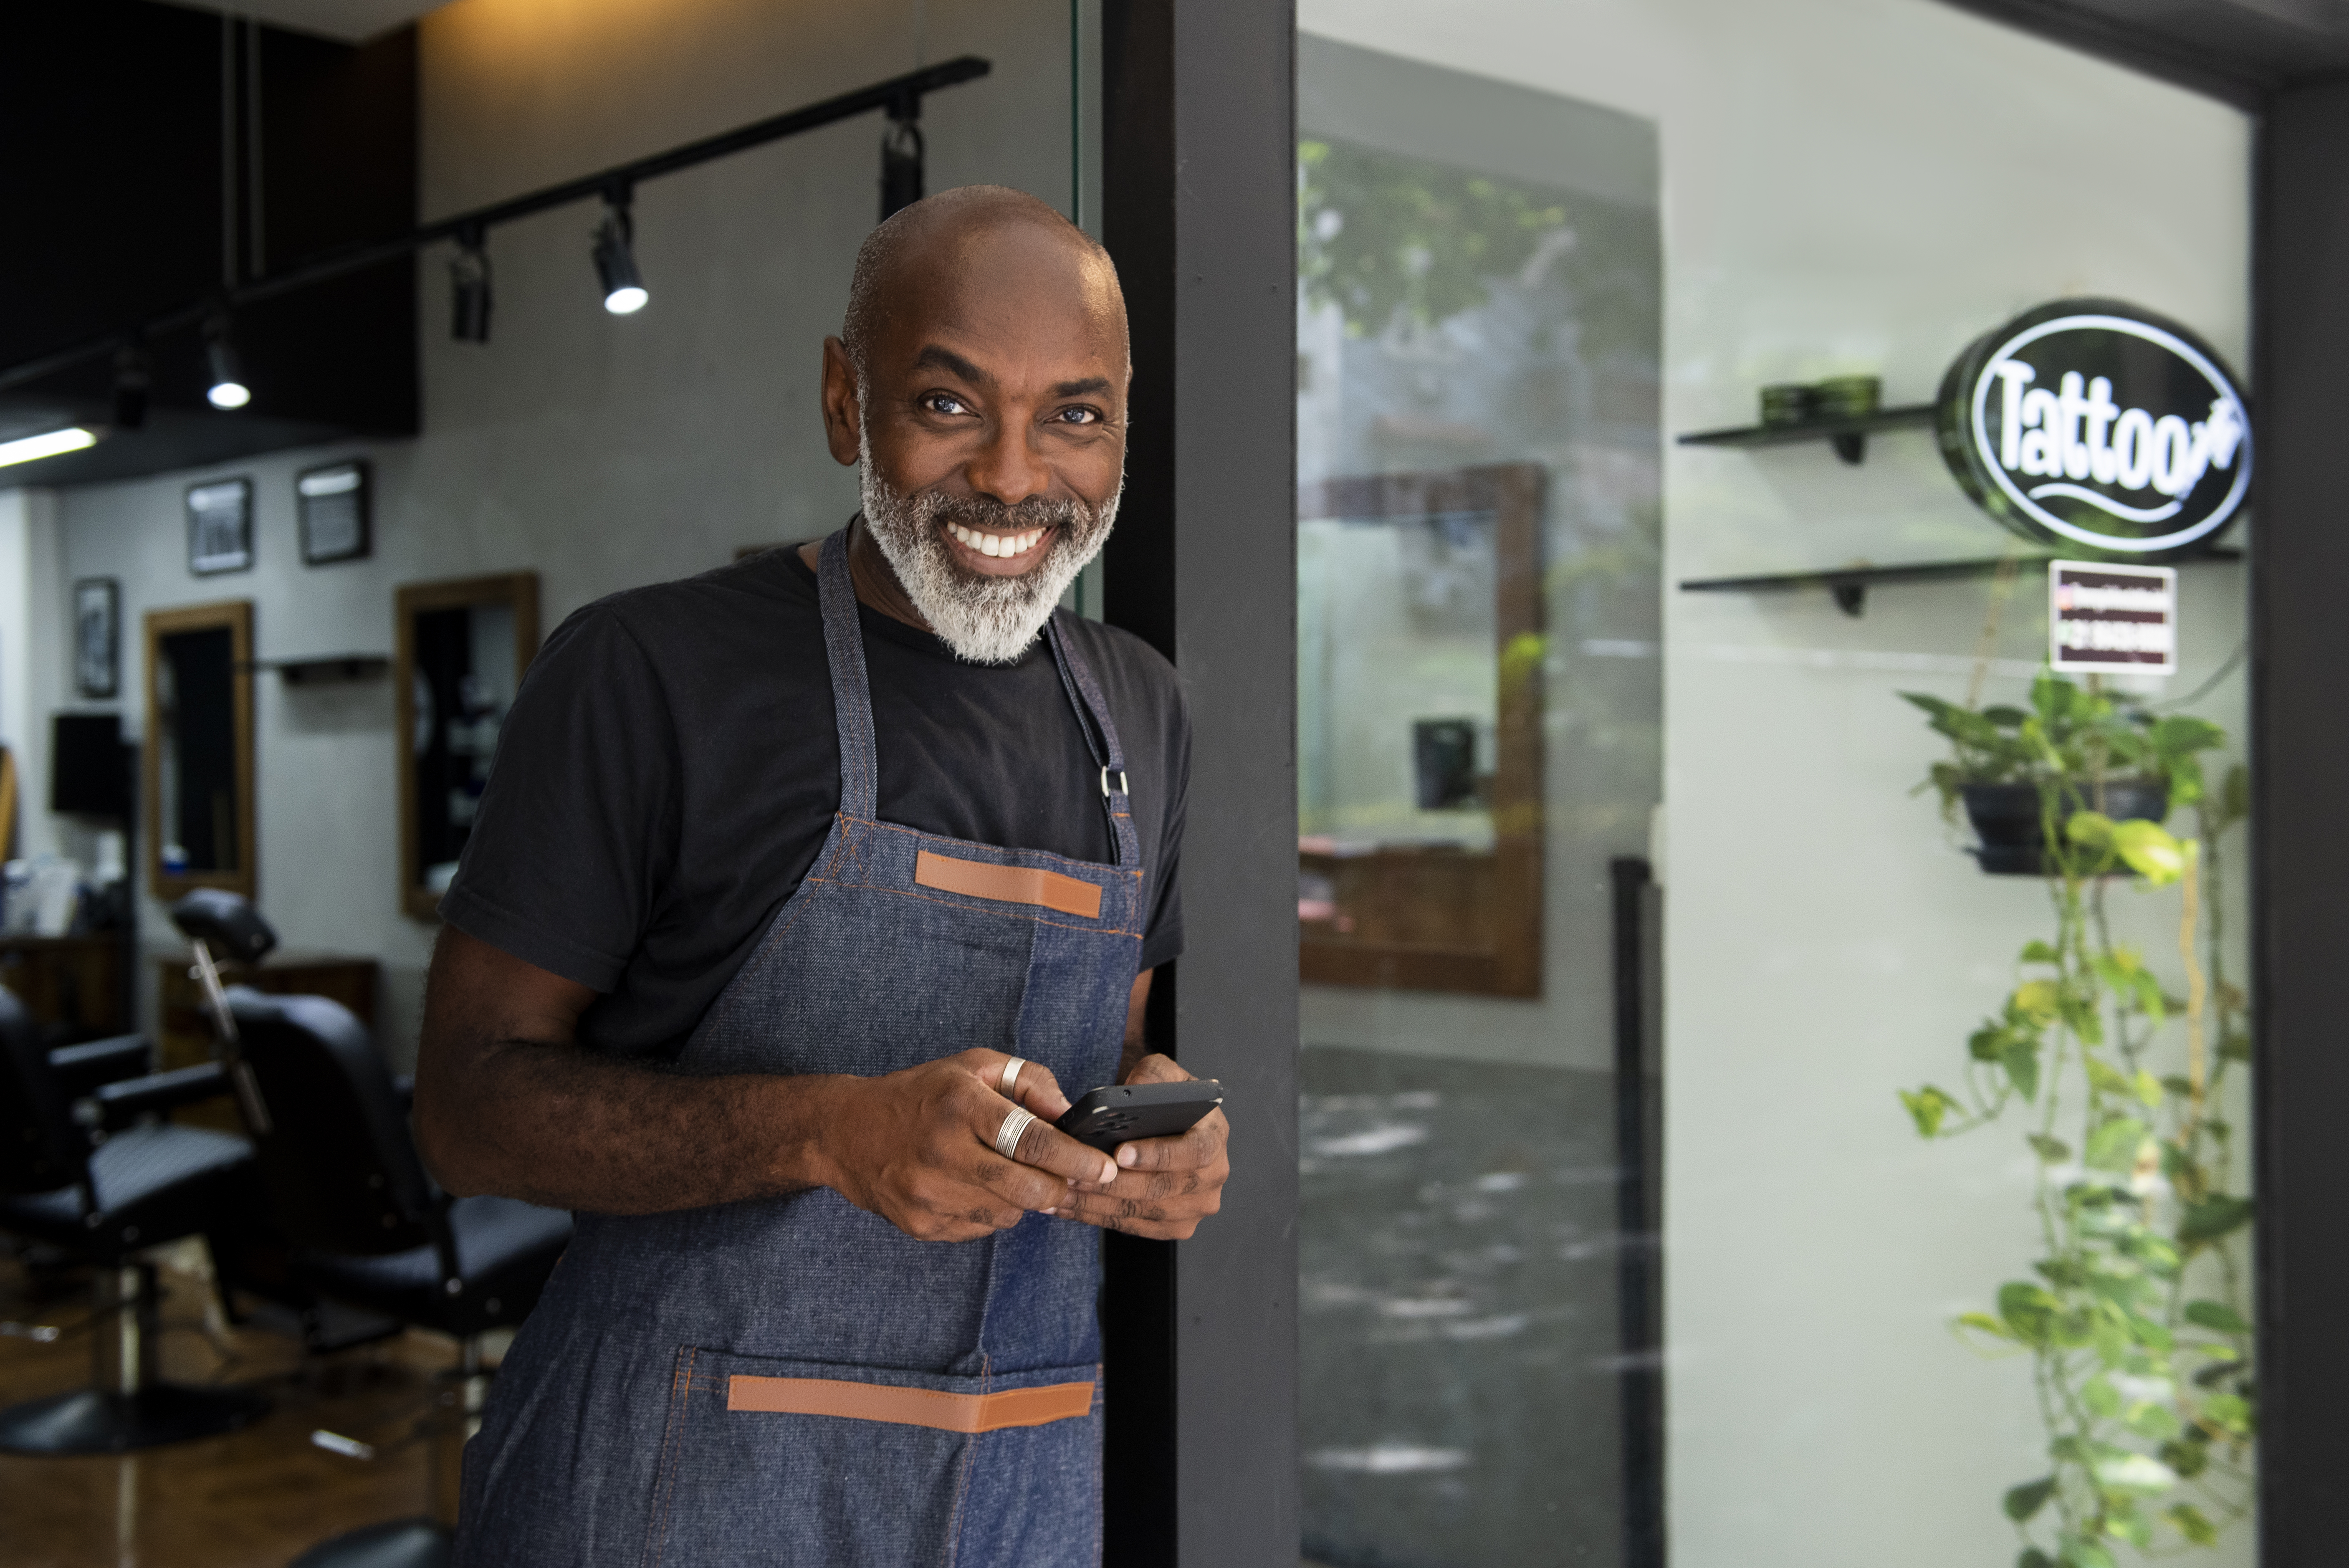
column 1121, row 1113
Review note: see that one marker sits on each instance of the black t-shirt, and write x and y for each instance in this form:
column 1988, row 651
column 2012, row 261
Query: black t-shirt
column 670, row 768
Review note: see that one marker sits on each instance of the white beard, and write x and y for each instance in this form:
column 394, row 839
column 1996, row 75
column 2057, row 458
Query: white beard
column 985, row 619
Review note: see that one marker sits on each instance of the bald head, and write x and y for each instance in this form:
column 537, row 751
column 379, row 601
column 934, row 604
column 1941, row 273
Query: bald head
column 957, row 237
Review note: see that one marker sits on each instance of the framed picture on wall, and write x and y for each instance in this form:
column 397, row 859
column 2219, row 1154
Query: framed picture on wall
column 220, row 526
column 333, row 505
column 98, row 636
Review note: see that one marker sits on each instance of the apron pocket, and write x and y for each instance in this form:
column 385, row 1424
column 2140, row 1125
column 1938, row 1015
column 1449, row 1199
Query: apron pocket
column 781, row 1462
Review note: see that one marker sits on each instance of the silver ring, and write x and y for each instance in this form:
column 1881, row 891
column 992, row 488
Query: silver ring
column 1011, row 1076
column 1007, row 1137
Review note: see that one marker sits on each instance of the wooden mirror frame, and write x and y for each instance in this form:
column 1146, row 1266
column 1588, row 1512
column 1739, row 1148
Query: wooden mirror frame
column 517, row 591
column 236, row 617
column 1492, row 944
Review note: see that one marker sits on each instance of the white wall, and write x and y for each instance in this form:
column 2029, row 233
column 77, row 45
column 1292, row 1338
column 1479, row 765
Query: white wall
column 1850, row 185
column 600, row 452
column 34, row 660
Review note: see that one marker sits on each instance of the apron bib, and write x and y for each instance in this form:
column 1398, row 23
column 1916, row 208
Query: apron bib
column 794, row 1382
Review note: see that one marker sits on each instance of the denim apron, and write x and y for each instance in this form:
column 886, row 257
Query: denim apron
column 760, row 1382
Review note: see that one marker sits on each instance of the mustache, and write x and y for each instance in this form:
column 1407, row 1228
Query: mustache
column 987, row 514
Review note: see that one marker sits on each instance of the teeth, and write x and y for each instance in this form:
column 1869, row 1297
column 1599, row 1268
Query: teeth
column 1000, row 545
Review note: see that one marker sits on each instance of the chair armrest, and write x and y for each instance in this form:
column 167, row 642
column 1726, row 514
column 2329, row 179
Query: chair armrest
column 80, row 1069
column 403, row 1089
column 120, row 1103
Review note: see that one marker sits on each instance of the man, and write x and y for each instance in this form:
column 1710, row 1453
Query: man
column 805, row 894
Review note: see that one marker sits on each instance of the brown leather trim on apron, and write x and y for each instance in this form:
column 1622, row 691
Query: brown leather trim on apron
column 910, row 1407
column 1009, row 884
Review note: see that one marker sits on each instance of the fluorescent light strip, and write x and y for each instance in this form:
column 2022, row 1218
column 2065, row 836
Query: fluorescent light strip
column 48, row 444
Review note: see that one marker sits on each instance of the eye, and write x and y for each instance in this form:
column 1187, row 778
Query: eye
column 944, row 403
column 1077, row 416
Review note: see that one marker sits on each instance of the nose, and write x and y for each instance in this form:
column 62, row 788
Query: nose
column 1009, row 469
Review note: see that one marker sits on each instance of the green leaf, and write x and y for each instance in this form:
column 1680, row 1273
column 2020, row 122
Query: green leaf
column 2148, row 1089
column 2149, row 997
column 2228, row 1412
column 2038, row 1000
column 2053, row 1151
column 2127, row 1472
column 2128, row 1524
column 2037, row 951
column 2109, row 1078
column 2028, row 1499
column 2235, row 797
column 2191, row 1457
column 2216, row 1317
column 2151, row 852
column 2033, row 1558
column 2236, row 1047
column 2181, row 735
column 1985, row 1323
column 2028, row 1311
column 2114, row 1145
column 2022, row 1062
column 2157, row 1422
column 2101, row 1397
column 2078, row 1553
column 2151, row 1335
column 2192, row 1524
column 2213, row 1217
column 1929, row 1106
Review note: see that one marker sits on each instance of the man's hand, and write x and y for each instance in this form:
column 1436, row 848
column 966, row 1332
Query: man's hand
column 1163, row 1185
column 917, row 1147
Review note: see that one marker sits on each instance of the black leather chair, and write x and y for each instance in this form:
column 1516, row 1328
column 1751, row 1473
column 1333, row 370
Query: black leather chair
column 86, row 1169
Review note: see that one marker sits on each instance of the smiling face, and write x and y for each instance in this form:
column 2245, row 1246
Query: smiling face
column 987, row 413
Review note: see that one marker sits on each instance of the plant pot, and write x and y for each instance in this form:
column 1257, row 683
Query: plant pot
column 2006, row 817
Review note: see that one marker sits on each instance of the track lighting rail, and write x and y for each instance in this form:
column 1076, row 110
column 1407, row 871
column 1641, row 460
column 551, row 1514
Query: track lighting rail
column 901, row 97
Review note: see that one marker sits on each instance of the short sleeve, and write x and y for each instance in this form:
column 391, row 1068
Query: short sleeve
column 577, row 831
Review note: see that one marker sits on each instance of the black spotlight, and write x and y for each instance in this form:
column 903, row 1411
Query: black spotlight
column 469, row 281
column 901, row 158
column 225, row 385
column 616, row 256
column 131, row 383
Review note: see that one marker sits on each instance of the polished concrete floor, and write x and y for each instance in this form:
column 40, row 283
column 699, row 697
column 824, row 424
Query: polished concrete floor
column 254, row 1499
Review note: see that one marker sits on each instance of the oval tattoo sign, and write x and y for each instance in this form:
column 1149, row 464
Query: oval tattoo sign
column 2090, row 422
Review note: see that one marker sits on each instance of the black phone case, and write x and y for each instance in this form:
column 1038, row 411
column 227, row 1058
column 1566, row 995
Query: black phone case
column 1121, row 1113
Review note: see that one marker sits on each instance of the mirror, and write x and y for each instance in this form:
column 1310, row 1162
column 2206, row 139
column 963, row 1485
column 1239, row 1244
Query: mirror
column 197, row 760
column 1420, row 747
column 463, row 646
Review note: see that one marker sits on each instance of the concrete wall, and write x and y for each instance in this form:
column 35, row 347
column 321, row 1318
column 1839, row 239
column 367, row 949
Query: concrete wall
column 597, row 451
column 1850, row 185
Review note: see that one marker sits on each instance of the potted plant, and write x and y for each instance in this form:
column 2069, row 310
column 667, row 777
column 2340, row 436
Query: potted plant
column 2021, row 774
column 2134, row 1315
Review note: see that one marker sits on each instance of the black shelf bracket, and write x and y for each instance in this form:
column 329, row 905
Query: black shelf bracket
column 1849, row 586
column 1847, row 435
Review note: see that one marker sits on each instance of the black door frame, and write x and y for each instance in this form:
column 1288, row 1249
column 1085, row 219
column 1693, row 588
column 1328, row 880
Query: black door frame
column 1199, row 133
column 1198, row 208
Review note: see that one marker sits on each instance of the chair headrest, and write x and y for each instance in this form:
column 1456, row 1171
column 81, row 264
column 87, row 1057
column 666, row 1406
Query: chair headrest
column 226, row 921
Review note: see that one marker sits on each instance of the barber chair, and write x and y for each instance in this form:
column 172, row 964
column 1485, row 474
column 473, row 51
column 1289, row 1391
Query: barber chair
column 84, row 1169
column 370, row 1227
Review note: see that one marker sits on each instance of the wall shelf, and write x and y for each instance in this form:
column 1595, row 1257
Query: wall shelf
column 1849, row 435
column 320, row 670
column 1849, row 586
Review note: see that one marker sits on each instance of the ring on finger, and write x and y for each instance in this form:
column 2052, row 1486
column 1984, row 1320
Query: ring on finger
column 1007, row 1135
column 1011, row 1076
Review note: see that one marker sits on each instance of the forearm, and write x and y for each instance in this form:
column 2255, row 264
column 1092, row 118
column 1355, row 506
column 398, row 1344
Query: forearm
column 553, row 1124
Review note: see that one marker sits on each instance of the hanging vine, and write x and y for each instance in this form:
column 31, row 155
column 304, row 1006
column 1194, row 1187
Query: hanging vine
column 2135, row 1322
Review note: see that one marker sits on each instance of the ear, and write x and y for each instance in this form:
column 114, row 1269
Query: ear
column 842, row 416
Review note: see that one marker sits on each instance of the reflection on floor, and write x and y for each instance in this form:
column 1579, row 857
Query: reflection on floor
column 1461, row 1361
column 255, row 1499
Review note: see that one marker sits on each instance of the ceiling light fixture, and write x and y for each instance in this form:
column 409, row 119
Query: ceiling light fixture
column 131, row 383
column 49, row 444
column 901, row 157
column 616, row 256
column 469, row 283
column 224, row 387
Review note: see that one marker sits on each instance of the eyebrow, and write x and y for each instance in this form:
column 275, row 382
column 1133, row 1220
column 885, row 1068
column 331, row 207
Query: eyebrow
column 938, row 356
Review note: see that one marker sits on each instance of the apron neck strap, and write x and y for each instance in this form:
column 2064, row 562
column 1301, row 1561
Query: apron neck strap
column 1100, row 737
column 851, row 693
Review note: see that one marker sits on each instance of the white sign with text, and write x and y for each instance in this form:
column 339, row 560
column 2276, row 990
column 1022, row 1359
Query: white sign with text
column 2112, row 619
